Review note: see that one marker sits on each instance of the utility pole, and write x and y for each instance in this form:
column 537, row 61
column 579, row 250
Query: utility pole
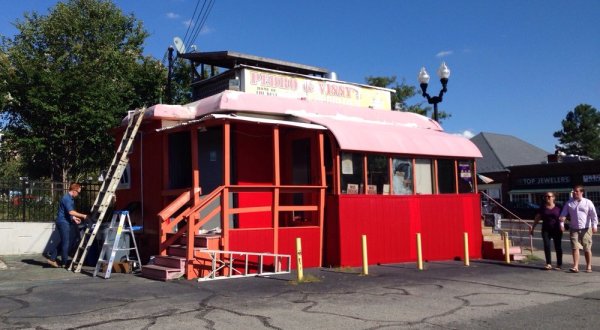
column 170, row 76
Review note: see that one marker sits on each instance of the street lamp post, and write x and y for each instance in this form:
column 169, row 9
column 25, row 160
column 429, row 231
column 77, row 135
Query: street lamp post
column 444, row 73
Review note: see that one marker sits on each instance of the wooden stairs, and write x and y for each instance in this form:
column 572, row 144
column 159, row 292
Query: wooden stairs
column 172, row 266
column 493, row 246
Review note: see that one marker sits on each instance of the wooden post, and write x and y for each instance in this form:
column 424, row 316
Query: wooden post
column 226, row 183
column 277, row 183
column 323, row 182
column 195, row 168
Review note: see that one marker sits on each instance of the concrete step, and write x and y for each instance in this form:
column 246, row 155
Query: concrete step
column 180, row 250
column 200, row 240
column 487, row 231
column 170, row 261
column 161, row 273
column 518, row 257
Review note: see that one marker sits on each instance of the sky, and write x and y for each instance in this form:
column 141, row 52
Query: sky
column 517, row 67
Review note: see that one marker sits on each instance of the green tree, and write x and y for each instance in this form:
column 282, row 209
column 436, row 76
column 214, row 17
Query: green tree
column 402, row 94
column 182, row 81
column 580, row 134
column 67, row 78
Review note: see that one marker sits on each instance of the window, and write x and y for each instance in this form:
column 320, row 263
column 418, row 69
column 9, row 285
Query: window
column 125, row 182
column 561, row 197
column 378, row 175
column 594, row 196
column 446, row 176
column 180, row 160
column 423, row 176
column 465, row 176
column 351, row 173
column 519, row 197
column 402, row 176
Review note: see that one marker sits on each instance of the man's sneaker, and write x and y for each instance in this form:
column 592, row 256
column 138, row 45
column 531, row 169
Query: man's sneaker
column 53, row 263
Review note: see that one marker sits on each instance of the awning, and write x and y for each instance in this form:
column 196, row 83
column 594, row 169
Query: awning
column 354, row 128
column 236, row 117
column 485, row 179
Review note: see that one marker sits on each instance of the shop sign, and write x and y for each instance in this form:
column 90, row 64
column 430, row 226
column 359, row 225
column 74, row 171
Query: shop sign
column 544, row 181
column 591, row 178
column 300, row 87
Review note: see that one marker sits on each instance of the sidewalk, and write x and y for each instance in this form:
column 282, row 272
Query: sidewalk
column 568, row 258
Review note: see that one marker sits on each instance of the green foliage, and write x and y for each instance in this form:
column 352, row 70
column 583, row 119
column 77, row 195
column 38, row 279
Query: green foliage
column 68, row 78
column 181, row 81
column 580, row 134
column 402, row 94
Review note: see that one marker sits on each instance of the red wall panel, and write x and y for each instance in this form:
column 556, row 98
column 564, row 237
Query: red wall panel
column 146, row 174
column 251, row 240
column 310, row 244
column 392, row 222
column 253, row 166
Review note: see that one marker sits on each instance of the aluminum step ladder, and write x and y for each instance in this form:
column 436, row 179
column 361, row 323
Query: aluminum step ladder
column 115, row 241
column 106, row 195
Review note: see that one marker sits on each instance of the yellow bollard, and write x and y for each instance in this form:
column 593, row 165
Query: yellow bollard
column 466, row 240
column 299, row 259
column 419, row 253
column 365, row 270
column 506, row 249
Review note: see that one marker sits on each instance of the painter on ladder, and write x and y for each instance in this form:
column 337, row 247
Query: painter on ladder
column 67, row 220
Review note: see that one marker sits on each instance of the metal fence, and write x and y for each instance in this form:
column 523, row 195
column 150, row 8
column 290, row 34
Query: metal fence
column 37, row 201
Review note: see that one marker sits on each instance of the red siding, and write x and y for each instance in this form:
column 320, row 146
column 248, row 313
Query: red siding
column 310, row 244
column 261, row 240
column 148, row 169
column 251, row 240
column 253, row 163
column 391, row 224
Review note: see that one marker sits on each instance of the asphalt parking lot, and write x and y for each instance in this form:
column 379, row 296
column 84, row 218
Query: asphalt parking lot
column 485, row 295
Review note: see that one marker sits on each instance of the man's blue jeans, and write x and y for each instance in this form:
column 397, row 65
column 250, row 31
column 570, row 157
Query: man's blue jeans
column 64, row 231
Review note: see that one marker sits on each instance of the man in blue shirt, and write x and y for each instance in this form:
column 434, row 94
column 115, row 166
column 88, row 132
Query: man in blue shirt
column 65, row 219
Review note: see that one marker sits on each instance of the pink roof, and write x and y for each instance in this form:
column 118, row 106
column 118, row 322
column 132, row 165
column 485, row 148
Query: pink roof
column 355, row 128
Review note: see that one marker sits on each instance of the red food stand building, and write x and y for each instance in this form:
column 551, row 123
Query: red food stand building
column 271, row 151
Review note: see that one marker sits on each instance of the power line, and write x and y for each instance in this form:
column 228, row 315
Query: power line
column 194, row 22
column 191, row 21
column 203, row 21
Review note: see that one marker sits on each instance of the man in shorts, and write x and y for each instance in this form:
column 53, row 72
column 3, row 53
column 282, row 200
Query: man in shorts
column 584, row 222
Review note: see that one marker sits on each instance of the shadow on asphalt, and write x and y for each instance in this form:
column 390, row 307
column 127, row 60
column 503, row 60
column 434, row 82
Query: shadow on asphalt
column 34, row 262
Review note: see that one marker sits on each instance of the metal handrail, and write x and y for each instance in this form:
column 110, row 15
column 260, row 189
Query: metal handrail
column 516, row 217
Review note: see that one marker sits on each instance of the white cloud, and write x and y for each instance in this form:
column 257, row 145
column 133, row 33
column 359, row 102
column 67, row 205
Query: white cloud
column 206, row 30
column 172, row 15
column 466, row 133
column 444, row 53
column 188, row 23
